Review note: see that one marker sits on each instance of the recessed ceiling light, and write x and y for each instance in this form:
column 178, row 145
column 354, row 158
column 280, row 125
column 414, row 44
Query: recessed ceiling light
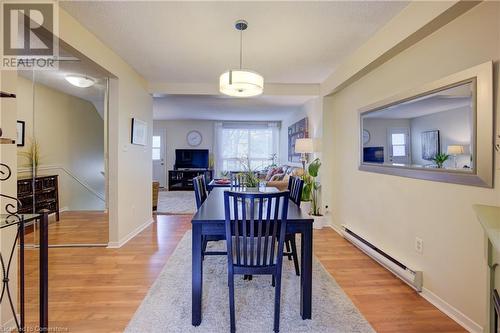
column 80, row 81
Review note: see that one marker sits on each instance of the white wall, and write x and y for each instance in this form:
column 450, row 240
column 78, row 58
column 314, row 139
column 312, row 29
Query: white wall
column 176, row 132
column 70, row 133
column 313, row 110
column 454, row 128
column 391, row 211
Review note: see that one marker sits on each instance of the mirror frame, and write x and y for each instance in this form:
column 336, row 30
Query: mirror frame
column 481, row 77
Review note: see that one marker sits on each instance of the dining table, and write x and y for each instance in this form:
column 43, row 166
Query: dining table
column 209, row 220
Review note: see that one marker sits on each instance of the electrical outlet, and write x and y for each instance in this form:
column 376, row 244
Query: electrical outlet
column 419, row 245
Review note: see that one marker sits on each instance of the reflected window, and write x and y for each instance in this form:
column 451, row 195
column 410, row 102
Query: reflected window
column 156, row 144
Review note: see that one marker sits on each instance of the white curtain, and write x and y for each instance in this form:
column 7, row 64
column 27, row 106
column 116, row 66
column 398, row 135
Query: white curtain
column 256, row 141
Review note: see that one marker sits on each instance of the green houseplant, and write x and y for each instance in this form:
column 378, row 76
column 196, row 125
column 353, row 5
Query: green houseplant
column 32, row 155
column 311, row 188
column 249, row 175
column 440, row 158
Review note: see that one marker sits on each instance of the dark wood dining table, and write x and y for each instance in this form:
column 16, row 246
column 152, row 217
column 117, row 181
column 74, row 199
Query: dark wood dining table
column 210, row 219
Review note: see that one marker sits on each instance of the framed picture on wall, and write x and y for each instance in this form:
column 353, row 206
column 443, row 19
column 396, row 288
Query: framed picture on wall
column 139, row 132
column 296, row 131
column 430, row 144
column 21, row 126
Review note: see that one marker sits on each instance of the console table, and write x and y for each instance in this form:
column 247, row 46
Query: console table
column 489, row 217
column 40, row 193
column 182, row 180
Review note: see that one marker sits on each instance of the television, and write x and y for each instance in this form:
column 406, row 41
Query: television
column 191, row 159
column 373, row 154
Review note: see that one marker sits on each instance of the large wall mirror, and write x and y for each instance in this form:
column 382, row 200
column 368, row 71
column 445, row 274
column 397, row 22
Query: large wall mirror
column 442, row 131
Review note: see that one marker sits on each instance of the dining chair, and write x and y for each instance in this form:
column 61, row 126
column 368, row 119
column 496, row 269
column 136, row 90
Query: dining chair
column 255, row 235
column 201, row 194
column 295, row 186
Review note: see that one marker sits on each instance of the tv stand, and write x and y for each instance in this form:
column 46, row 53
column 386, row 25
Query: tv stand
column 182, row 179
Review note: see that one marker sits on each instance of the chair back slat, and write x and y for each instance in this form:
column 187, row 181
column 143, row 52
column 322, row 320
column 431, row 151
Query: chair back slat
column 200, row 190
column 236, row 231
column 295, row 186
column 253, row 240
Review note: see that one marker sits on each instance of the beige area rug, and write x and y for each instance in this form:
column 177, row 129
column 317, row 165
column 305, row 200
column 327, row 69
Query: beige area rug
column 167, row 306
column 176, row 202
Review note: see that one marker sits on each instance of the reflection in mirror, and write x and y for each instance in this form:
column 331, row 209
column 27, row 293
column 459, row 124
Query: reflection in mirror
column 431, row 131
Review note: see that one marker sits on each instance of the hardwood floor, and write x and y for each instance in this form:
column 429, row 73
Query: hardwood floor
column 99, row 289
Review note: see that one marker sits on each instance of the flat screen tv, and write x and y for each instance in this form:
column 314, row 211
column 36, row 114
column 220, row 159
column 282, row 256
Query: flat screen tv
column 373, row 154
column 191, row 159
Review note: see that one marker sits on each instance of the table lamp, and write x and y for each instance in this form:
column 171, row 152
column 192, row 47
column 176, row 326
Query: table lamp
column 304, row 146
column 455, row 150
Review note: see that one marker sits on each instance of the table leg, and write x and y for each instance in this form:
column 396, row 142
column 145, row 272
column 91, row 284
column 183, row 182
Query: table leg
column 306, row 276
column 197, row 275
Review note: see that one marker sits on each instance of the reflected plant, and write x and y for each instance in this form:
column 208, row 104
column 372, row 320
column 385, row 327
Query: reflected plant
column 440, row 158
column 32, row 155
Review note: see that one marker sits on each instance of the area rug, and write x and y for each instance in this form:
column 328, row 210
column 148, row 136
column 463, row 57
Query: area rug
column 176, row 202
column 167, row 306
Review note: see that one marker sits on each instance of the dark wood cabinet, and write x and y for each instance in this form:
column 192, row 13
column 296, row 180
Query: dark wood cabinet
column 182, row 180
column 44, row 196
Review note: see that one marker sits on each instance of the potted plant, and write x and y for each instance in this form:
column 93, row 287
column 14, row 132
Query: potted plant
column 311, row 194
column 439, row 159
column 32, row 156
column 249, row 175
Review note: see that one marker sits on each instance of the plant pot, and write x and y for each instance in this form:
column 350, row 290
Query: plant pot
column 306, row 206
column 320, row 221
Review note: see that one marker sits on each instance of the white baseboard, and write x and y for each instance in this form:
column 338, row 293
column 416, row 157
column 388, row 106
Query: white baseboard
column 336, row 228
column 439, row 303
column 132, row 234
column 451, row 312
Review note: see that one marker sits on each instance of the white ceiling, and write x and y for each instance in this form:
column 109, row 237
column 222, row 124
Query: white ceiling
column 194, row 42
column 226, row 108
column 56, row 80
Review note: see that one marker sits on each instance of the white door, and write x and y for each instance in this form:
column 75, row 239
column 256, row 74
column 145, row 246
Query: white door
column 399, row 145
column 159, row 153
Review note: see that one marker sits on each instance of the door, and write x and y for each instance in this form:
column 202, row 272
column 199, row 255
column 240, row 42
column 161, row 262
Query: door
column 399, row 147
column 159, row 152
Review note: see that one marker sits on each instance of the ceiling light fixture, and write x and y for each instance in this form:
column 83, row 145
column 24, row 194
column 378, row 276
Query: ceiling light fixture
column 80, row 81
column 241, row 82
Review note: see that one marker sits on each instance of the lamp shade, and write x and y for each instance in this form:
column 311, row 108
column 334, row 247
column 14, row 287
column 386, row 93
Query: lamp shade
column 305, row 145
column 455, row 150
column 241, row 83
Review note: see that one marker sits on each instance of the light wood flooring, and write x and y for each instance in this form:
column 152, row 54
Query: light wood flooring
column 99, row 289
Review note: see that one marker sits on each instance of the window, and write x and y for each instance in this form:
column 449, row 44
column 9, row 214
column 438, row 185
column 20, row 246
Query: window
column 156, row 148
column 239, row 143
column 398, row 144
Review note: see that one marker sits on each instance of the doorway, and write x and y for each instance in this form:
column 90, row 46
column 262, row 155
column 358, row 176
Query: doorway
column 159, row 153
column 399, row 152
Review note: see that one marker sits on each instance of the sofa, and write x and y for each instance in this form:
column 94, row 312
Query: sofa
column 278, row 177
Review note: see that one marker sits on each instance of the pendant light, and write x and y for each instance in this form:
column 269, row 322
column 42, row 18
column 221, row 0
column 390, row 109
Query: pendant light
column 241, row 82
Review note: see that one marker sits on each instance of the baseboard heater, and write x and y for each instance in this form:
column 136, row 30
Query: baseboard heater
column 411, row 277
